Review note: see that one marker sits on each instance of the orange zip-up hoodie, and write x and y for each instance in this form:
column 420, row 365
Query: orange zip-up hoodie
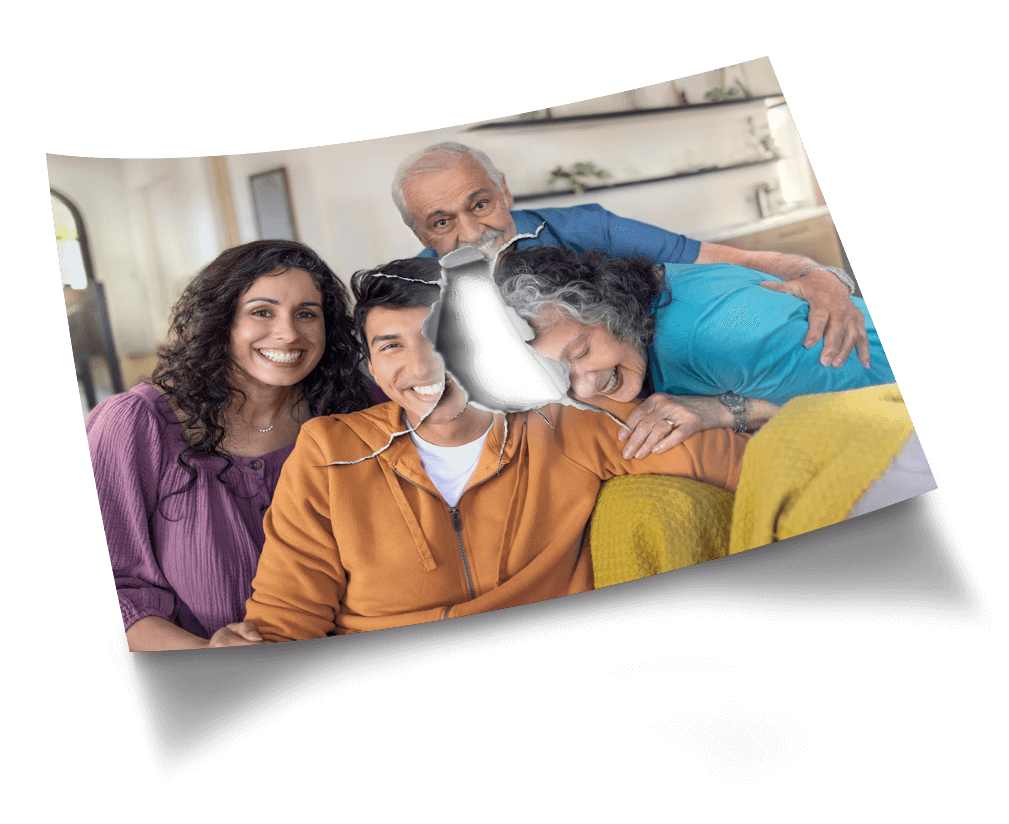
column 370, row 545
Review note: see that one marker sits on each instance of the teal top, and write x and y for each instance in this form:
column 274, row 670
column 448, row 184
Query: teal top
column 724, row 331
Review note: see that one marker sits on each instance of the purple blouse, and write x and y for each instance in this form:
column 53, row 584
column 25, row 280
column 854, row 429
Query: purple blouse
column 190, row 561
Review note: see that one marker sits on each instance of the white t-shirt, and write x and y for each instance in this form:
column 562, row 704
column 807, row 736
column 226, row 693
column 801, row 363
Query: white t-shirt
column 450, row 467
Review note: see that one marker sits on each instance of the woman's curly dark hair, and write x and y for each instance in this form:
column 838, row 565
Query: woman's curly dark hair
column 195, row 369
column 619, row 293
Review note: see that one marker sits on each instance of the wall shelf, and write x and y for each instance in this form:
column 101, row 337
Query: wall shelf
column 624, row 183
column 579, row 118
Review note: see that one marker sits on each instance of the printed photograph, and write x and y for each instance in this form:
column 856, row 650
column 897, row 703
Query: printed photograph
column 557, row 377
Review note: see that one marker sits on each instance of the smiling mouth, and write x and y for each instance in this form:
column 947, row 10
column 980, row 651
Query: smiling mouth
column 278, row 356
column 431, row 390
column 487, row 243
column 611, row 384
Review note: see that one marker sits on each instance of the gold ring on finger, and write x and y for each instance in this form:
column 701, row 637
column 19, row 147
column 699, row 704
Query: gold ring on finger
column 670, row 422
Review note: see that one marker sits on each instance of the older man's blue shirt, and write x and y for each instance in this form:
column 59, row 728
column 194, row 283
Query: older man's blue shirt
column 724, row 331
column 592, row 227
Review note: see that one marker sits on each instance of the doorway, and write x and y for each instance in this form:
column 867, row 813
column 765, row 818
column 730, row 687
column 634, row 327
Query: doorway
column 99, row 375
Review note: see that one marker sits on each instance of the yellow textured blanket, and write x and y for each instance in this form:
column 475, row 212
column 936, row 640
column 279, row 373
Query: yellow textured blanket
column 646, row 524
column 806, row 467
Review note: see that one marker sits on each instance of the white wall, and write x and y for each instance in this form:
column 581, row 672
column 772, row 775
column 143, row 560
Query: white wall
column 340, row 196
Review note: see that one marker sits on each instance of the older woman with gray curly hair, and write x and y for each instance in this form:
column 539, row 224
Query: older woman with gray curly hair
column 709, row 346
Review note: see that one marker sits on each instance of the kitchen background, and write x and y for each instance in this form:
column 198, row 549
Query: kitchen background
column 715, row 156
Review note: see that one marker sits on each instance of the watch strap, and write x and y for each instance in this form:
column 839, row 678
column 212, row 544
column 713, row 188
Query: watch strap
column 737, row 406
column 840, row 274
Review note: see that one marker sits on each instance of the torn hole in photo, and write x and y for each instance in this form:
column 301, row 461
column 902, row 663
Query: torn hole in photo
column 484, row 344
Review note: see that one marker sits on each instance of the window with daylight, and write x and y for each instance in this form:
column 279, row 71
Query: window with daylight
column 69, row 245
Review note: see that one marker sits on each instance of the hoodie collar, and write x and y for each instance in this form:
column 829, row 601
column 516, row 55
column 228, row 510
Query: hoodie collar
column 376, row 425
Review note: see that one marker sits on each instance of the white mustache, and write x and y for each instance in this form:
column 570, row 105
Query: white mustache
column 485, row 243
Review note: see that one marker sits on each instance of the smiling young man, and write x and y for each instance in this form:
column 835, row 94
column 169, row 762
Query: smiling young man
column 426, row 507
column 434, row 406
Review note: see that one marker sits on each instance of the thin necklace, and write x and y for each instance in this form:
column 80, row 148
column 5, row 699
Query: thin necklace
column 263, row 431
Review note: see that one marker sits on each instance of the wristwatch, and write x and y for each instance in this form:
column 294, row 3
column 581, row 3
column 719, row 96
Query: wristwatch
column 737, row 406
column 840, row 274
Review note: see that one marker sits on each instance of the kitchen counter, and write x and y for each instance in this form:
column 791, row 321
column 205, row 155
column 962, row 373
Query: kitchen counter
column 773, row 222
column 808, row 232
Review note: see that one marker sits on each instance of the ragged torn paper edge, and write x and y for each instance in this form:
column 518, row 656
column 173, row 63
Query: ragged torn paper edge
column 522, row 329
column 409, row 429
column 556, row 372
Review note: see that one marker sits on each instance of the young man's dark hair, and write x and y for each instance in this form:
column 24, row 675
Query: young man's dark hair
column 394, row 284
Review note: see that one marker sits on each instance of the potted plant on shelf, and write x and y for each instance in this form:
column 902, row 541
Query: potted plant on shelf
column 579, row 176
column 737, row 91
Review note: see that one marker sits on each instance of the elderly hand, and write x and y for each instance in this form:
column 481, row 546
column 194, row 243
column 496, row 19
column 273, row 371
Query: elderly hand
column 832, row 316
column 238, row 634
column 662, row 421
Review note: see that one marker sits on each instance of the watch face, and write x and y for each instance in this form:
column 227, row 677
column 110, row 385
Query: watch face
column 731, row 399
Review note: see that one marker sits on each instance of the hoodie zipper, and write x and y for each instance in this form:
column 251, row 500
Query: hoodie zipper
column 457, row 524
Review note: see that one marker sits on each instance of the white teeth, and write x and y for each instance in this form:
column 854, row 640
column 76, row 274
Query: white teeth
column 277, row 356
column 432, row 389
column 611, row 385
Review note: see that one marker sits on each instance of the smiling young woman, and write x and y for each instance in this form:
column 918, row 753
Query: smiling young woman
column 277, row 339
column 185, row 466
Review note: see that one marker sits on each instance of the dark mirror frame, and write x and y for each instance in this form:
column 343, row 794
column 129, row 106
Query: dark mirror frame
column 89, row 324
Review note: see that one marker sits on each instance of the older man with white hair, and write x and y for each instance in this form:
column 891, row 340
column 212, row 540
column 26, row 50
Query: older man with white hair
column 451, row 195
